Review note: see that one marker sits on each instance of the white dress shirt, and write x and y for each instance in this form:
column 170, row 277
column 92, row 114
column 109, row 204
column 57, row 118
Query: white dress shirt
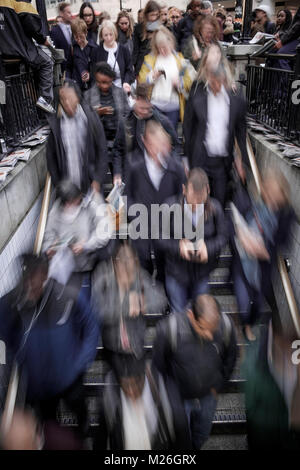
column 111, row 60
column 140, row 420
column 155, row 171
column 218, row 107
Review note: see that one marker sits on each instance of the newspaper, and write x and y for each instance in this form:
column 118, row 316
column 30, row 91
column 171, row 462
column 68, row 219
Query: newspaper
column 259, row 36
column 22, row 154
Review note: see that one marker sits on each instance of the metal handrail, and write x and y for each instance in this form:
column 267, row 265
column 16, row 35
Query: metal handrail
column 288, row 290
column 12, row 391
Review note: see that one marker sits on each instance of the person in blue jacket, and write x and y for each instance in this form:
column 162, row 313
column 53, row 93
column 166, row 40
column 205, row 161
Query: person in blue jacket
column 53, row 334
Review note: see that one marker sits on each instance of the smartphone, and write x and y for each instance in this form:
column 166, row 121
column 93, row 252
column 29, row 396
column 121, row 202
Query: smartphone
column 163, row 73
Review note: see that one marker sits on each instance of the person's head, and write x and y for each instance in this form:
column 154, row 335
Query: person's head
column 69, row 195
column 79, row 30
column 151, row 12
column 140, row 16
column 126, row 263
column 65, row 12
column 204, row 316
column 104, row 15
column 35, row 273
column 164, row 14
column 156, row 141
column 125, row 23
column 175, row 16
column 220, row 14
column 263, row 13
column 59, row 19
column 108, row 33
column 275, row 189
column 195, row 7
column 215, row 70
column 87, row 14
column 207, row 29
column 206, row 8
column 196, row 190
column 104, row 76
column 284, row 18
column 130, row 373
column 142, row 106
column 69, row 98
column 162, row 42
column 229, row 20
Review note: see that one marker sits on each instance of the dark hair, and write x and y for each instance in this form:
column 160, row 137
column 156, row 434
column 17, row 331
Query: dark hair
column 149, row 8
column 94, row 25
column 67, row 191
column 105, row 69
column 198, row 179
column 142, row 91
column 288, row 19
column 128, row 366
column 32, row 264
column 204, row 303
column 63, row 5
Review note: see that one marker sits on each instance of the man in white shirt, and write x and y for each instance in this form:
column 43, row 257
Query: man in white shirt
column 214, row 118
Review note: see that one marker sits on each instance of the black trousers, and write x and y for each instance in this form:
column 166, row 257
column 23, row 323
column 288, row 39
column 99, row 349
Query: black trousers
column 43, row 63
column 218, row 176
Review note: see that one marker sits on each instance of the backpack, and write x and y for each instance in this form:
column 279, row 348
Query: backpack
column 226, row 328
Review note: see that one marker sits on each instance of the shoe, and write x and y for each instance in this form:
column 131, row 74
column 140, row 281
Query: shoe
column 42, row 103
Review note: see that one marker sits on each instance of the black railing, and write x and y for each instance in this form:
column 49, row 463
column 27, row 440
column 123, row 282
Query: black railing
column 272, row 99
column 19, row 115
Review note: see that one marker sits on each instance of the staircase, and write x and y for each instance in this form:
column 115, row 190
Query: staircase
column 229, row 424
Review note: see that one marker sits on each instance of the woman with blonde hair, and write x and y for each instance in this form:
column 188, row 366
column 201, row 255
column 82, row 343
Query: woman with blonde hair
column 124, row 25
column 169, row 75
column 115, row 54
column 206, row 32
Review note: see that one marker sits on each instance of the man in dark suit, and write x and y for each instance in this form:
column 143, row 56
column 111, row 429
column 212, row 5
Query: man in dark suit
column 214, row 118
column 155, row 177
column 76, row 148
column 61, row 34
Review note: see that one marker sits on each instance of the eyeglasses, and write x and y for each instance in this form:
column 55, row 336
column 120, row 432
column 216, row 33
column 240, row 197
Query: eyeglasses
column 175, row 17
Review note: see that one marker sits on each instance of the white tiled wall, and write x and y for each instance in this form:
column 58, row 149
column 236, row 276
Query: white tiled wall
column 21, row 242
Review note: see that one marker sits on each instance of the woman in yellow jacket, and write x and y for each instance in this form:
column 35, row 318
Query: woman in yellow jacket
column 168, row 74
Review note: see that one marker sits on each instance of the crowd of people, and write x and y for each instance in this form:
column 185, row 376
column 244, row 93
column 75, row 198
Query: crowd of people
column 131, row 94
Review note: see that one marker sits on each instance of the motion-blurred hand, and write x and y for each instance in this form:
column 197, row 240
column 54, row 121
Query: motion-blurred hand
column 77, row 248
column 105, row 110
column 85, row 76
column 126, row 87
column 186, row 249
